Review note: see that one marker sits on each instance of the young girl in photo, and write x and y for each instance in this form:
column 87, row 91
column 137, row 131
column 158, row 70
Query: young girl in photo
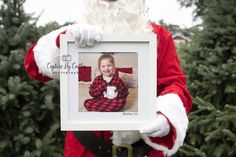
column 109, row 92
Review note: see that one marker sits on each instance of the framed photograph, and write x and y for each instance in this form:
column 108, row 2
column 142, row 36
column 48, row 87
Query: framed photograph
column 110, row 86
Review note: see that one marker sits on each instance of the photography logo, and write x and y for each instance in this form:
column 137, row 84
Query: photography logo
column 67, row 66
column 66, row 58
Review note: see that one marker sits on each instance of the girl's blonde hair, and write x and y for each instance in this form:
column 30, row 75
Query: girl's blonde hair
column 106, row 56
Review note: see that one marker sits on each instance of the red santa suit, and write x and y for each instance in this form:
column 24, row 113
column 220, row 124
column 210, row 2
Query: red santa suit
column 173, row 98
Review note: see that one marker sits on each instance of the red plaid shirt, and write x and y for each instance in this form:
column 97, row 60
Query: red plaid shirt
column 101, row 104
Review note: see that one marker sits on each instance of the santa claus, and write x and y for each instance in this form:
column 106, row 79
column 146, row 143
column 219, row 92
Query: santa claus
column 166, row 134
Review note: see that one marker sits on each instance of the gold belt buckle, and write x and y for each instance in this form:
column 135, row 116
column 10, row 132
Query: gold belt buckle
column 115, row 147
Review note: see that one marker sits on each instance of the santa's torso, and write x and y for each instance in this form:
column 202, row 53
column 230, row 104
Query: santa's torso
column 121, row 17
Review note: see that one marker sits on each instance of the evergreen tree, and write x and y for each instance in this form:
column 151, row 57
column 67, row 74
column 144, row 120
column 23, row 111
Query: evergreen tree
column 210, row 64
column 201, row 6
column 29, row 121
column 174, row 29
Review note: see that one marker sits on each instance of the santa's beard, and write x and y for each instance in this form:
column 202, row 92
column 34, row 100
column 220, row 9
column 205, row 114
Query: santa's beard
column 122, row 16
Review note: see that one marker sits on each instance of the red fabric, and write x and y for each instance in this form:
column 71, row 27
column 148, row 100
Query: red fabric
column 85, row 73
column 128, row 70
column 31, row 67
column 170, row 79
column 105, row 105
column 58, row 39
column 155, row 153
column 75, row 149
column 101, row 104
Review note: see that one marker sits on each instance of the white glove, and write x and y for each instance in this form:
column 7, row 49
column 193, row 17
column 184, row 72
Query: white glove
column 85, row 34
column 159, row 128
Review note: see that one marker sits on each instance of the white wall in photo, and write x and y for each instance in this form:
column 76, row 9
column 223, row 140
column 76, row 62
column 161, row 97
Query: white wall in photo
column 121, row 59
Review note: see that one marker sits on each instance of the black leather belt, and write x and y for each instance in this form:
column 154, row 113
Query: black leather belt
column 101, row 148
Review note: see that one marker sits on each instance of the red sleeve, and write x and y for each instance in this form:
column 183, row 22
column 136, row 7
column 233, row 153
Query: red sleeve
column 170, row 78
column 122, row 89
column 31, row 67
column 97, row 88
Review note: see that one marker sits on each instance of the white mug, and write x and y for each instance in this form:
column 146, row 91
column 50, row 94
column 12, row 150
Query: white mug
column 111, row 92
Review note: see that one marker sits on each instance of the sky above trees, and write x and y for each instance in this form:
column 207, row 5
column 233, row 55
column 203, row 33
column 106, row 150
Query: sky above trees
column 69, row 10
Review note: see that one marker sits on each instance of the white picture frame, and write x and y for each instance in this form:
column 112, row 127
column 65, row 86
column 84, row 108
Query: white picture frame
column 144, row 45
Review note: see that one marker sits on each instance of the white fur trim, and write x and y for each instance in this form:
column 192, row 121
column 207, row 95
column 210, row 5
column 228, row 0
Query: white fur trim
column 125, row 137
column 47, row 54
column 172, row 107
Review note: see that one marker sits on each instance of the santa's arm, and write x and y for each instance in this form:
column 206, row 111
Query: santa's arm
column 42, row 59
column 173, row 99
column 43, row 56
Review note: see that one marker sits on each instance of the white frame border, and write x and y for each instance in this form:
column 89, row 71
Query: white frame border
column 68, row 122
